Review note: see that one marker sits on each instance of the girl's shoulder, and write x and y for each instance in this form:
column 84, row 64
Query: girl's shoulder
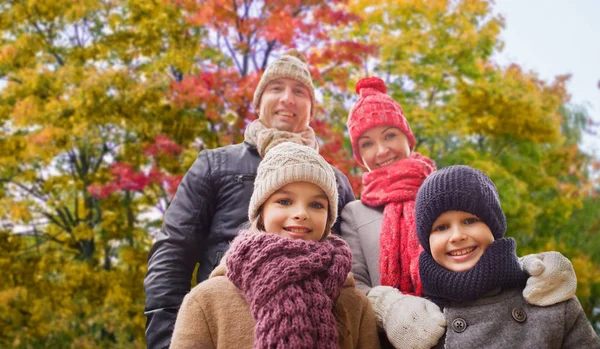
column 350, row 296
column 217, row 287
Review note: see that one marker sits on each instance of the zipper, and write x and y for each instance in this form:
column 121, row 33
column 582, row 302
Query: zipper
column 244, row 177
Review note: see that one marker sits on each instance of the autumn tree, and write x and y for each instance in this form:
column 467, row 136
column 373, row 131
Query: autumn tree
column 88, row 143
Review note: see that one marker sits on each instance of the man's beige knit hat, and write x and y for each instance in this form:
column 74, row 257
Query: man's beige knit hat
column 288, row 163
column 291, row 65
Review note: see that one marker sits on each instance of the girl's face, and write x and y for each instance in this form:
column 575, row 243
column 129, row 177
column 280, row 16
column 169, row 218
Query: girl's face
column 458, row 239
column 298, row 210
column 382, row 146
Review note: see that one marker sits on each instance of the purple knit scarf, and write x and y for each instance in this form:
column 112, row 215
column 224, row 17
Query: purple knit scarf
column 291, row 286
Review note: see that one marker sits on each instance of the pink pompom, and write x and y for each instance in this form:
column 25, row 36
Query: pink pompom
column 372, row 82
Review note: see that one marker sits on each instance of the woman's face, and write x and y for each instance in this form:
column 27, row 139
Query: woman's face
column 382, row 146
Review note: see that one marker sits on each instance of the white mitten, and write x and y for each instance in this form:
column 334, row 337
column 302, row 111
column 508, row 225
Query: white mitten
column 408, row 321
column 552, row 278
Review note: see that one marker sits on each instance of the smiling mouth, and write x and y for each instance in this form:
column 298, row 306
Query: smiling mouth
column 462, row 252
column 388, row 162
column 298, row 230
column 285, row 113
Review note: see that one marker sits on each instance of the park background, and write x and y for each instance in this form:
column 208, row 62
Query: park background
column 104, row 105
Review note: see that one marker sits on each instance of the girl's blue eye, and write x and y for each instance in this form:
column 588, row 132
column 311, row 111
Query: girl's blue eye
column 390, row 135
column 317, row 205
column 284, row 202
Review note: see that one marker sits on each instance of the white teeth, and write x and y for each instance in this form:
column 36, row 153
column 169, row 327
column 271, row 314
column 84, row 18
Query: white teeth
column 297, row 230
column 388, row 162
column 462, row 252
column 285, row 113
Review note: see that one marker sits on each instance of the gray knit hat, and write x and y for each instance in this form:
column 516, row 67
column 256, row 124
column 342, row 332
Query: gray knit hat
column 291, row 65
column 458, row 188
column 290, row 162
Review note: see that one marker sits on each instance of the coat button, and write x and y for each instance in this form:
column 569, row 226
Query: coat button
column 459, row 325
column 519, row 315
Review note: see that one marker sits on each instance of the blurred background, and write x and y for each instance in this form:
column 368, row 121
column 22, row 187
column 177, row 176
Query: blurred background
column 104, row 105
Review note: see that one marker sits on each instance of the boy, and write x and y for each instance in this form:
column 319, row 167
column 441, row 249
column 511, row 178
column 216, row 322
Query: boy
column 471, row 271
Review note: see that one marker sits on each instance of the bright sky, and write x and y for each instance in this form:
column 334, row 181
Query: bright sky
column 554, row 37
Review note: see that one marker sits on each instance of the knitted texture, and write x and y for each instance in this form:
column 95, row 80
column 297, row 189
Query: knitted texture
column 552, row 278
column 288, row 163
column 375, row 108
column 396, row 186
column 291, row 65
column 458, row 188
column 291, row 286
column 498, row 267
column 408, row 321
column 263, row 138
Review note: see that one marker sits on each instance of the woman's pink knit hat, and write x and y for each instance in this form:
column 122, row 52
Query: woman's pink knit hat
column 375, row 108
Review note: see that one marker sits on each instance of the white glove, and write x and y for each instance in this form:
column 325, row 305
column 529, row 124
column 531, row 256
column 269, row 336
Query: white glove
column 552, row 278
column 408, row 321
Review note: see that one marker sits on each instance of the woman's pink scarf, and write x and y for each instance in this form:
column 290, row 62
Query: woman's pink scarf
column 396, row 187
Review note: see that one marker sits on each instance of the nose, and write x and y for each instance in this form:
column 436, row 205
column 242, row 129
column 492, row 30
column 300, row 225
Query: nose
column 382, row 149
column 300, row 215
column 287, row 96
column 457, row 234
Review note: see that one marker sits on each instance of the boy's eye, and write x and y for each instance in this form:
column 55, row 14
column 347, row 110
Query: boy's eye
column 299, row 92
column 284, row 202
column 440, row 227
column 471, row 220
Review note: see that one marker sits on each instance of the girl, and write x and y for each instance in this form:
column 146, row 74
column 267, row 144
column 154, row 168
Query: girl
column 472, row 271
column 380, row 227
column 285, row 283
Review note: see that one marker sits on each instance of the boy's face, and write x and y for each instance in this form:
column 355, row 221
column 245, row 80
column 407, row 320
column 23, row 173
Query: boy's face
column 298, row 210
column 458, row 239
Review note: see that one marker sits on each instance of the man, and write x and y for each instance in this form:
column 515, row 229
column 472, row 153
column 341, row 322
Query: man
column 212, row 200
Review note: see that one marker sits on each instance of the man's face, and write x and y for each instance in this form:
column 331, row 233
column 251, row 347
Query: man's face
column 285, row 105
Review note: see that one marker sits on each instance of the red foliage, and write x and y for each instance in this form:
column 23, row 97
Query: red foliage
column 125, row 178
column 163, row 145
column 247, row 34
column 332, row 150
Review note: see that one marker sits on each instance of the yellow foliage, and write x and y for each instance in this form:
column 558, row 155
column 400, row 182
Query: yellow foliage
column 511, row 102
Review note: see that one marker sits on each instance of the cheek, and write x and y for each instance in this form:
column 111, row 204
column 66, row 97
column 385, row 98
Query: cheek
column 367, row 157
column 437, row 245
